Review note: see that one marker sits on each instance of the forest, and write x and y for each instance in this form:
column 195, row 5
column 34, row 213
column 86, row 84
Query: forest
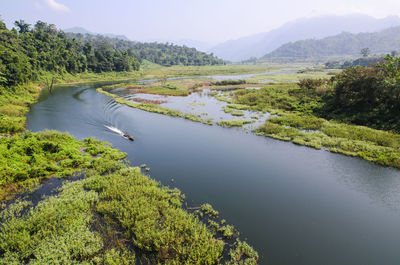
column 165, row 54
column 27, row 52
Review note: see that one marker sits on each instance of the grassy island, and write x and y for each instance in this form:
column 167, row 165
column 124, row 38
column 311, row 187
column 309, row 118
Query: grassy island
column 115, row 215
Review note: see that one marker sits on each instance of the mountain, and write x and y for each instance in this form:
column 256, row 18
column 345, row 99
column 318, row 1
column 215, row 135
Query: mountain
column 78, row 30
column 85, row 31
column 199, row 45
column 346, row 43
column 305, row 28
column 190, row 43
column 121, row 37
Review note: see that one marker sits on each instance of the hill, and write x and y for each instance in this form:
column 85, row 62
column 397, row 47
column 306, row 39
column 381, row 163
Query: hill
column 165, row 54
column 343, row 44
column 305, row 28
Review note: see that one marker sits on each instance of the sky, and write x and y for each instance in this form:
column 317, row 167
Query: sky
column 212, row 21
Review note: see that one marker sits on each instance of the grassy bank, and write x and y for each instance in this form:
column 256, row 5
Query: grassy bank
column 301, row 73
column 165, row 87
column 14, row 105
column 155, row 108
column 116, row 215
column 154, row 72
column 294, row 120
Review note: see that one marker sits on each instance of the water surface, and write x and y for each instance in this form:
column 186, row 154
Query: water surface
column 295, row 205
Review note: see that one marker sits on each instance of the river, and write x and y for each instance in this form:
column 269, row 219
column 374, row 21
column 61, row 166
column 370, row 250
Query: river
column 294, row 204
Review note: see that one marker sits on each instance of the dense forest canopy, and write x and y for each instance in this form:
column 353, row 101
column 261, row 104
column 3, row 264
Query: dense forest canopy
column 27, row 51
column 165, row 54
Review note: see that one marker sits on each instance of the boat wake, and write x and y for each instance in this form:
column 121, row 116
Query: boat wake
column 113, row 129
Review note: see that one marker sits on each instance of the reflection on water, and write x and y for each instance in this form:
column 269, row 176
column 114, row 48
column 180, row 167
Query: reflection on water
column 295, row 205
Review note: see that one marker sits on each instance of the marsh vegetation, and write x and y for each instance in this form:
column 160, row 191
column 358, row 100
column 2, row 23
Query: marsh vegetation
column 116, row 214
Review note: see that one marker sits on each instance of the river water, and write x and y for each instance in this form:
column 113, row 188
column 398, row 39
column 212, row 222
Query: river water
column 294, row 204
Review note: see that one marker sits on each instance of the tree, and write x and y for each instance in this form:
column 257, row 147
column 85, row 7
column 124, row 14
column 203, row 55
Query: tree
column 2, row 24
column 22, row 26
column 365, row 52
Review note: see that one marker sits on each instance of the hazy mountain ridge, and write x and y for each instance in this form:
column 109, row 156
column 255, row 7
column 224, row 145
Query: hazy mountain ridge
column 80, row 30
column 342, row 44
column 203, row 46
column 305, row 28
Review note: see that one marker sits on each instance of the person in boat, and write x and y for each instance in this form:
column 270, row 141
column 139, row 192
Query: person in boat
column 130, row 137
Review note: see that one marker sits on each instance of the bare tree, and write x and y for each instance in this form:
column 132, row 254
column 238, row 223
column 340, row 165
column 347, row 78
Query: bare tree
column 365, row 52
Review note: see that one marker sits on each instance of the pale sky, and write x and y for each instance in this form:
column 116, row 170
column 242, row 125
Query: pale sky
column 205, row 20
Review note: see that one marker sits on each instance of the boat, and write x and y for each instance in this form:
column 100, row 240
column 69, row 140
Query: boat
column 130, row 137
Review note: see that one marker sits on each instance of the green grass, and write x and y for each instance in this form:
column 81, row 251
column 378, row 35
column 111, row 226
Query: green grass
column 223, row 98
column 114, row 211
column 227, row 231
column 229, row 82
column 243, row 254
column 28, row 158
column 272, row 97
column 111, row 216
column 369, row 144
column 155, row 108
column 178, row 71
column 164, row 90
column 208, row 210
column 238, row 106
column 234, row 123
column 294, row 113
column 14, row 106
column 294, row 77
column 233, row 112
column 151, row 71
column 182, row 87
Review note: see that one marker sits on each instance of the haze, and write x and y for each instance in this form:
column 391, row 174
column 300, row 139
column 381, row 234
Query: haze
column 207, row 20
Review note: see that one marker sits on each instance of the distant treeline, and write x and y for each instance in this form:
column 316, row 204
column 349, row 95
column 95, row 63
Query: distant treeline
column 160, row 53
column 26, row 52
column 343, row 44
column 364, row 61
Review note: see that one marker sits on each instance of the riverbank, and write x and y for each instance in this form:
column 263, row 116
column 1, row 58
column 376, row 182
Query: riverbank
column 115, row 213
column 156, row 72
column 15, row 104
column 244, row 176
column 104, row 217
column 292, row 120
